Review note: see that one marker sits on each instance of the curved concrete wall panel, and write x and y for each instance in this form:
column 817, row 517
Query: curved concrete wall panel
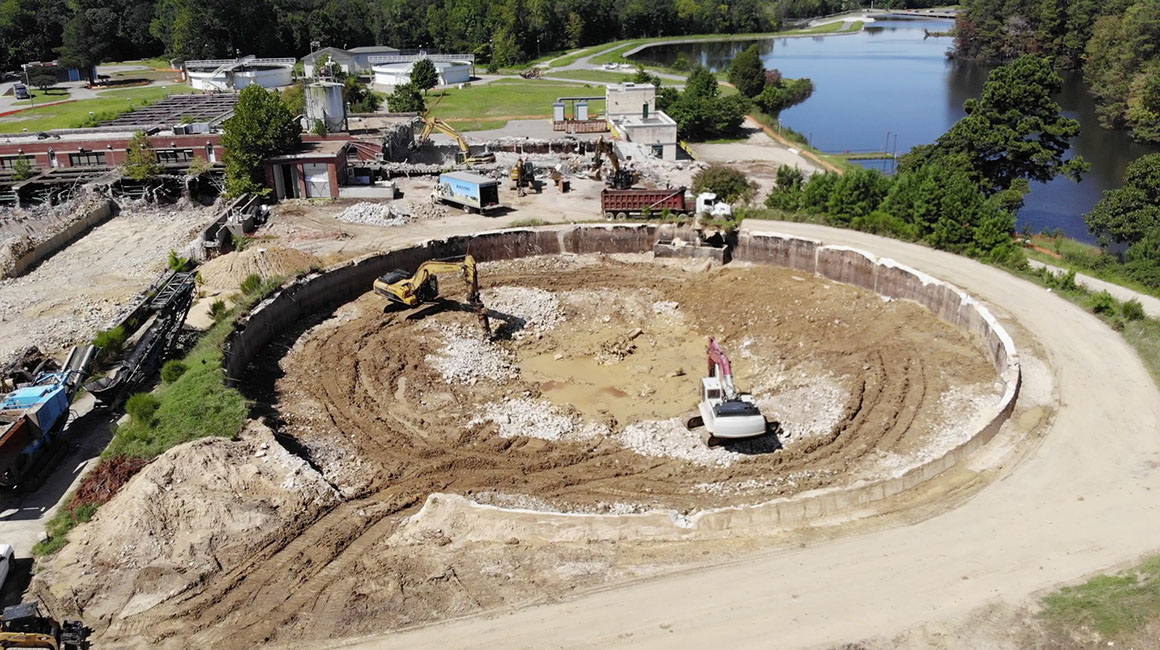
column 319, row 292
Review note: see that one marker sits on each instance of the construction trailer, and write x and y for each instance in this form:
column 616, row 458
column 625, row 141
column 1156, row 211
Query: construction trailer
column 468, row 191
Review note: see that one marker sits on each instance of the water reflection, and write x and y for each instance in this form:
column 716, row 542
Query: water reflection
column 891, row 79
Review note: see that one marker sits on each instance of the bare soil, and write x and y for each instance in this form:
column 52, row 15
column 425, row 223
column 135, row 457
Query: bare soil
column 386, row 411
column 596, row 398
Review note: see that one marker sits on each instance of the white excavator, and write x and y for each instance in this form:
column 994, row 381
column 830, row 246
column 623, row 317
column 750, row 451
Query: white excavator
column 724, row 413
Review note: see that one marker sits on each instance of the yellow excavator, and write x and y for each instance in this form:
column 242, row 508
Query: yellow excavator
column 464, row 157
column 23, row 626
column 418, row 292
column 619, row 179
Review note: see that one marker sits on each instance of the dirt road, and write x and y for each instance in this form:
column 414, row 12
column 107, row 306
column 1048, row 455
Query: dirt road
column 1085, row 500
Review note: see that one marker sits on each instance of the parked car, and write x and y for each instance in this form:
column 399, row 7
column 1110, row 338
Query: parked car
column 21, row 91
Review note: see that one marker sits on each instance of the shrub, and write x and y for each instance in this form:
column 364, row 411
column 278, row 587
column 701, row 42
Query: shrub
column 1104, row 303
column 251, row 284
column 681, row 64
column 111, row 340
column 1067, row 282
column 727, row 183
column 172, row 370
column 178, row 263
column 217, row 309
column 1132, row 310
column 528, row 223
column 142, row 407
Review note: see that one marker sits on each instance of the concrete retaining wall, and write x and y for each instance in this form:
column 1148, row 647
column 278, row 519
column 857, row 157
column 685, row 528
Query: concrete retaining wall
column 46, row 248
column 319, row 292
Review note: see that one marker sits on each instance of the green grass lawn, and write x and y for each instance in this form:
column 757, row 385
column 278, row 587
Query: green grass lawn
column 1115, row 606
column 107, row 105
column 156, row 63
column 600, row 76
column 43, row 97
column 509, row 98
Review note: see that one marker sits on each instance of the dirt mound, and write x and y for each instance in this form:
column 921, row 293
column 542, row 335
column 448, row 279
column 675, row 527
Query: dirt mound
column 203, row 508
column 229, row 270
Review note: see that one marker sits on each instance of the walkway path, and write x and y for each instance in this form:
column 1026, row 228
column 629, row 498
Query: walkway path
column 1085, row 500
column 1151, row 304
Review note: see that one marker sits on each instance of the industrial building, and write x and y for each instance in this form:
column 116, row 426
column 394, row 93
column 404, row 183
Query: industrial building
column 228, row 75
column 395, row 70
column 354, row 61
column 315, row 170
column 631, row 112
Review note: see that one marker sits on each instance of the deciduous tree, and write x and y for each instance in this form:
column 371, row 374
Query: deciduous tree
column 261, row 126
column 423, row 75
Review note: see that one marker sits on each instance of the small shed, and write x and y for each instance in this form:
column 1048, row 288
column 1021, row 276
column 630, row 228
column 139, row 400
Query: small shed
column 314, row 170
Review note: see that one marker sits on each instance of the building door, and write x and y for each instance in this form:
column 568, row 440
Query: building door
column 317, row 180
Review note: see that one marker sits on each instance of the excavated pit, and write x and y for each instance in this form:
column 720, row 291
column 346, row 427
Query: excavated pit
column 576, row 405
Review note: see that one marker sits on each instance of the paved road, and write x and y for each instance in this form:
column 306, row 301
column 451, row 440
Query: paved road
column 1150, row 303
column 22, row 515
column 1085, row 500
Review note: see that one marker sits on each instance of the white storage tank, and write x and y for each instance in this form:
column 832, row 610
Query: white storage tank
column 324, row 102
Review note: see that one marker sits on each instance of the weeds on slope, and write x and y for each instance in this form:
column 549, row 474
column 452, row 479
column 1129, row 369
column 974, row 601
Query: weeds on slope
column 1116, row 607
column 197, row 404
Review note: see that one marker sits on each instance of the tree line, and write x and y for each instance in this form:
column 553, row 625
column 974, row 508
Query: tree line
column 1115, row 42
column 505, row 32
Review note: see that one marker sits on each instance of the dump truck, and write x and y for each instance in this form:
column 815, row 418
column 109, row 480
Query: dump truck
column 467, row 190
column 623, row 204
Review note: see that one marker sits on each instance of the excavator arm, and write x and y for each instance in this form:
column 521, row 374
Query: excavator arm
column 720, row 368
column 432, row 124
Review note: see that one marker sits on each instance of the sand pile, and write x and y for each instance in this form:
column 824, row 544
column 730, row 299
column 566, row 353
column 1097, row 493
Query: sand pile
column 199, row 509
column 229, row 270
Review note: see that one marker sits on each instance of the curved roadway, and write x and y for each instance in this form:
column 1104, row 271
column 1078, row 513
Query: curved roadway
column 1087, row 499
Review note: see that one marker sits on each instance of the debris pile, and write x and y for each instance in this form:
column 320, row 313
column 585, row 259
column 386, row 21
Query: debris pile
column 670, row 439
column 230, row 270
column 466, row 358
column 199, row 509
column 374, row 214
column 536, row 310
column 521, row 416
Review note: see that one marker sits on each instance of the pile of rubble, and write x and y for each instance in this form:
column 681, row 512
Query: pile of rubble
column 466, row 358
column 521, row 416
column 670, row 439
column 374, row 214
column 536, row 310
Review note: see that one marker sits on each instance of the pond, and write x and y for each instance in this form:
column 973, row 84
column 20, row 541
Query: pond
column 890, row 87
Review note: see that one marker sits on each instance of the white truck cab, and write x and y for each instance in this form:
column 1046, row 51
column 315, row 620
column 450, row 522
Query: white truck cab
column 709, row 204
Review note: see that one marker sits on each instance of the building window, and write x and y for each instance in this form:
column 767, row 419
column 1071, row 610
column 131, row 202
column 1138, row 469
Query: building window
column 86, row 159
column 174, row 156
column 9, row 162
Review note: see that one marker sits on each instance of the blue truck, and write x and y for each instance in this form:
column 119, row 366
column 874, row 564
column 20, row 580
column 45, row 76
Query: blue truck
column 33, row 416
column 467, row 190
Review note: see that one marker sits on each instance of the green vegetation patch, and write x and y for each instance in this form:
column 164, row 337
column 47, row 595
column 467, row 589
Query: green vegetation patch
column 1115, row 605
column 508, row 98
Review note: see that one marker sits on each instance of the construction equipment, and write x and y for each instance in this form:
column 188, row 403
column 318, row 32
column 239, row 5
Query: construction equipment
column 419, row 291
column 23, row 626
column 619, row 179
column 725, row 413
column 523, row 176
column 464, row 157
column 622, row 204
column 32, row 417
column 708, row 204
column 532, row 73
column 169, row 305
